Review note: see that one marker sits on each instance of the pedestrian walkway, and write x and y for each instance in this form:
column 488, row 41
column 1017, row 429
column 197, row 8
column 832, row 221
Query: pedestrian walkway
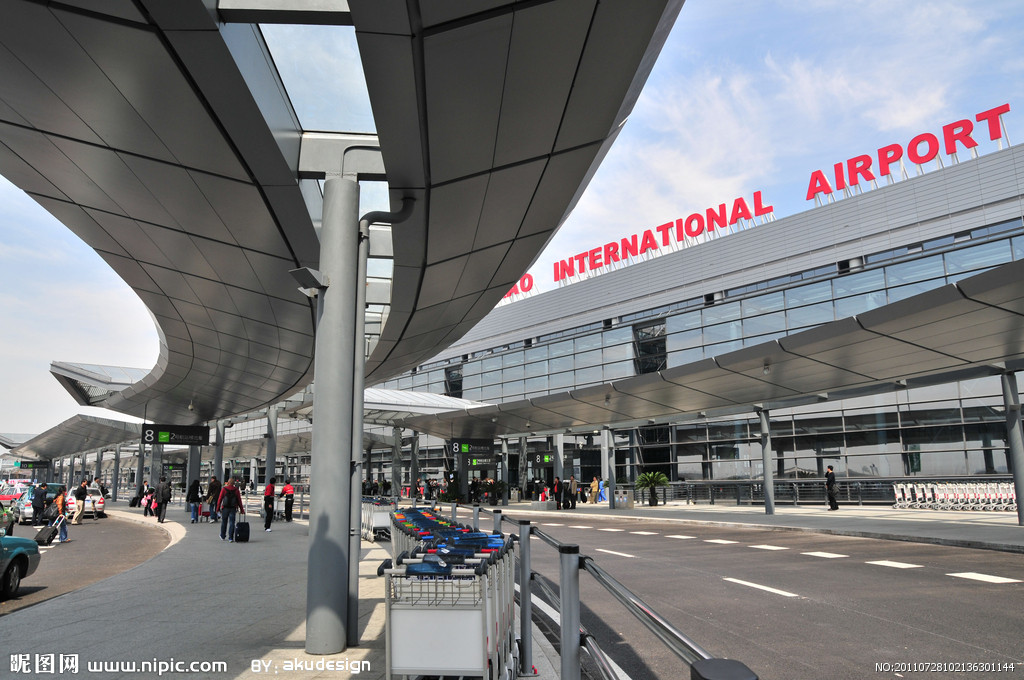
column 205, row 600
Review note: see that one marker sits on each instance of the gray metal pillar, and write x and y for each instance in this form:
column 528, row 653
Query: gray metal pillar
column 330, row 501
column 414, row 463
column 98, row 474
column 608, row 459
column 1011, row 399
column 356, row 470
column 524, row 461
column 558, row 443
column 766, row 463
column 396, row 461
column 156, row 464
column 503, row 471
column 525, row 600
column 569, row 599
column 116, row 482
column 140, row 468
column 218, row 452
column 271, row 445
column 195, row 457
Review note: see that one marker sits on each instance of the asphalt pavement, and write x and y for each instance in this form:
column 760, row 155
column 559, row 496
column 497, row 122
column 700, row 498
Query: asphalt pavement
column 203, row 600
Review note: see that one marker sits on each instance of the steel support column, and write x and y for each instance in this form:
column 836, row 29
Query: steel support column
column 608, row 465
column 329, row 545
column 396, row 461
column 766, row 463
column 218, row 451
column 115, row 483
column 1011, row 399
column 271, row 462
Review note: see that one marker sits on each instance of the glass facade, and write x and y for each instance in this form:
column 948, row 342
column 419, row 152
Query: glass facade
column 950, row 430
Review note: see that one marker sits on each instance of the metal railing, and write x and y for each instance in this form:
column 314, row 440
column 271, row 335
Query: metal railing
column 574, row 637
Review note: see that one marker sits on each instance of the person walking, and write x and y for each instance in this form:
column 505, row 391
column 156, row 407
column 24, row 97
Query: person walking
column 268, row 504
column 572, row 488
column 594, row 487
column 38, row 505
column 288, row 491
column 60, row 502
column 194, row 499
column 81, row 493
column 830, row 489
column 228, row 503
column 556, row 493
column 212, row 494
column 147, row 502
column 163, row 498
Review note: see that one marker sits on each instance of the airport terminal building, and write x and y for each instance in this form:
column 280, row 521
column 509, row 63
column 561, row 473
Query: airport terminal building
column 873, row 246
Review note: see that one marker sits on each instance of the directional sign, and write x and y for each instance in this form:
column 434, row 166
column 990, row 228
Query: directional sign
column 181, row 435
column 477, row 447
column 543, row 459
column 32, row 464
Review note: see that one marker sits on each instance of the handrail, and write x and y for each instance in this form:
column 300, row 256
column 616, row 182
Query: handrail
column 683, row 647
column 604, row 665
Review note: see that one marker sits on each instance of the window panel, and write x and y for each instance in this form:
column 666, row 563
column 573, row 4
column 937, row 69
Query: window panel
column 491, row 363
column 762, row 304
column 535, row 369
column 978, row 257
column 683, row 322
column 684, row 340
column 588, row 342
column 617, row 353
column 915, row 270
column 587, row 359
column 560, row 381
column 617, row 336
column 538, row 384
column 536, row 353
column 586, row 376
column 903, row 292
column 723, row 332
column 512, row 358
column 562, row 363
column 513, row 373
column 490, row 377
column 723, row 348
column 721, row 312
column 560, row 349
column 766, row 323
column 809, row 294
column 862, row 282
column 858, row 304
column 686, row 356
column 620, row 369
column 812, row 315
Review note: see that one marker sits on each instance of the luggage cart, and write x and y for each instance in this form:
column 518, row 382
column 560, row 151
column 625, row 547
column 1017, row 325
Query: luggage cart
column 376, row 519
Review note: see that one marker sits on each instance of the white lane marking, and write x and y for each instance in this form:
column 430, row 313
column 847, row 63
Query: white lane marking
column 611, row 529
column 576, row 526
column 984, row 577
column 644, row 533
column 769, row 547
column 720, row 541
column 554, row 525
column 612, row 552
column 760, row 587
column 896, row 565
column 681, row 537
column 826, row 555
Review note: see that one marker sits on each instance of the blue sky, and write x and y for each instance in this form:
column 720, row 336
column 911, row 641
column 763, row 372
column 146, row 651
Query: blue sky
column 747, row 95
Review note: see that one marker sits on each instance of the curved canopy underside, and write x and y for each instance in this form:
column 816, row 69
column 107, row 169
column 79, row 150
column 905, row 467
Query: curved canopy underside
column 164, row 138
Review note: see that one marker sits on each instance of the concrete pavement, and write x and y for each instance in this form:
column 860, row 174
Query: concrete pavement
column 205, row 600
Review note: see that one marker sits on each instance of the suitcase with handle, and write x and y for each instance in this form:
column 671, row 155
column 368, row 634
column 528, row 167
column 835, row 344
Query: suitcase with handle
column 242, row 531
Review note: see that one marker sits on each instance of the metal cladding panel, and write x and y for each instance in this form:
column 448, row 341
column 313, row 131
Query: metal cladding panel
column 509, row 192
column 455, row 211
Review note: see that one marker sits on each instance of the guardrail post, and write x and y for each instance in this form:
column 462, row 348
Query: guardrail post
column 711, row 493
column 569, row 599
column 476, row 518
column 860, row 494
column 497, row 521
column 525, row 601
column 455, row 509
column 796, row 494
column 739, row 494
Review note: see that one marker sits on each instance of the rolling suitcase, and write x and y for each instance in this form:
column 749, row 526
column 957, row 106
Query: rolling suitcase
column 242, row 531
column 46, row 535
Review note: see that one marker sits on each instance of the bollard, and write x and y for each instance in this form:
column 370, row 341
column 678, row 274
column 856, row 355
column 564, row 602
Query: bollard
column 525, row 601
column 497, row 521
column 455, row 507
column 720, row 669
column 476, row 518
column 569, row 600
column 796, row 495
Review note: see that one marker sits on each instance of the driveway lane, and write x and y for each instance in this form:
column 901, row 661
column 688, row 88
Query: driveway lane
column 850, row 615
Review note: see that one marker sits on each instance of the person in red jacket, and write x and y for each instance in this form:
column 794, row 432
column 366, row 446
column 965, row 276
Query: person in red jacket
column 228, row 503
column 288, row 491
column 268, row 503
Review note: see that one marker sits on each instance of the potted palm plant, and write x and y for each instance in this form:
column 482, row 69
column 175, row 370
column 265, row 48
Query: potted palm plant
column 651, row 481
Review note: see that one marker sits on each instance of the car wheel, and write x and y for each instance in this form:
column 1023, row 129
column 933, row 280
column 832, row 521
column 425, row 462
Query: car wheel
column 11, row 582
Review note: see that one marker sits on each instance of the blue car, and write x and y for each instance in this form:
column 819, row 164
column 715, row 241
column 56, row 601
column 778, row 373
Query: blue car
column 19, row 557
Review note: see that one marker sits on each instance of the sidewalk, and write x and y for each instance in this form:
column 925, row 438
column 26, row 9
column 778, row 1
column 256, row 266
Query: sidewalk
column 203, row 599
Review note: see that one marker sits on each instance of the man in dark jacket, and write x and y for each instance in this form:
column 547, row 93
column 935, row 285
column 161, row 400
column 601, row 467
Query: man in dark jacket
column 38, row 504
column 213, row 493
column 163, row 497
column 81, row 493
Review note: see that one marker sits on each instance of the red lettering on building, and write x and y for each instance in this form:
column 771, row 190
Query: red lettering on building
column 922, row 149
column 524, row 285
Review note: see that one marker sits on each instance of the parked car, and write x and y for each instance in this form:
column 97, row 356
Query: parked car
column 19, row 557
column 9, row 492
column 22, row 506
column 6, row 519
column 94, row 503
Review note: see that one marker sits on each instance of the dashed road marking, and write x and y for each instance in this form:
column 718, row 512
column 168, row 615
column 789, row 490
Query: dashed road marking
column 720, row 541
column 611, row 529
column 612, row 552
column 760, row 587
column 974, row 576
column 769, row 547
column 896, row 565
column 554, row 525
column 644, row 533
column 576, row 526
column 826, row 555
column 681, row 537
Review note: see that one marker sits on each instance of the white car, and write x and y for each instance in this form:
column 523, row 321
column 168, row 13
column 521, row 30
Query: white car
column 95, row 504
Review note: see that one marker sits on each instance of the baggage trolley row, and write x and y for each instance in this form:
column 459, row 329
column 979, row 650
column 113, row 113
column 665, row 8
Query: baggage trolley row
column 956, row 496
column 450, row 607
column 376, row 518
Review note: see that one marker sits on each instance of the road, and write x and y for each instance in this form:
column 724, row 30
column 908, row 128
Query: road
column 96, row 550
column 796, row 605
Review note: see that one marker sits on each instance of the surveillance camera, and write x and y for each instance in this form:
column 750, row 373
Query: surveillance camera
column 191, row 406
